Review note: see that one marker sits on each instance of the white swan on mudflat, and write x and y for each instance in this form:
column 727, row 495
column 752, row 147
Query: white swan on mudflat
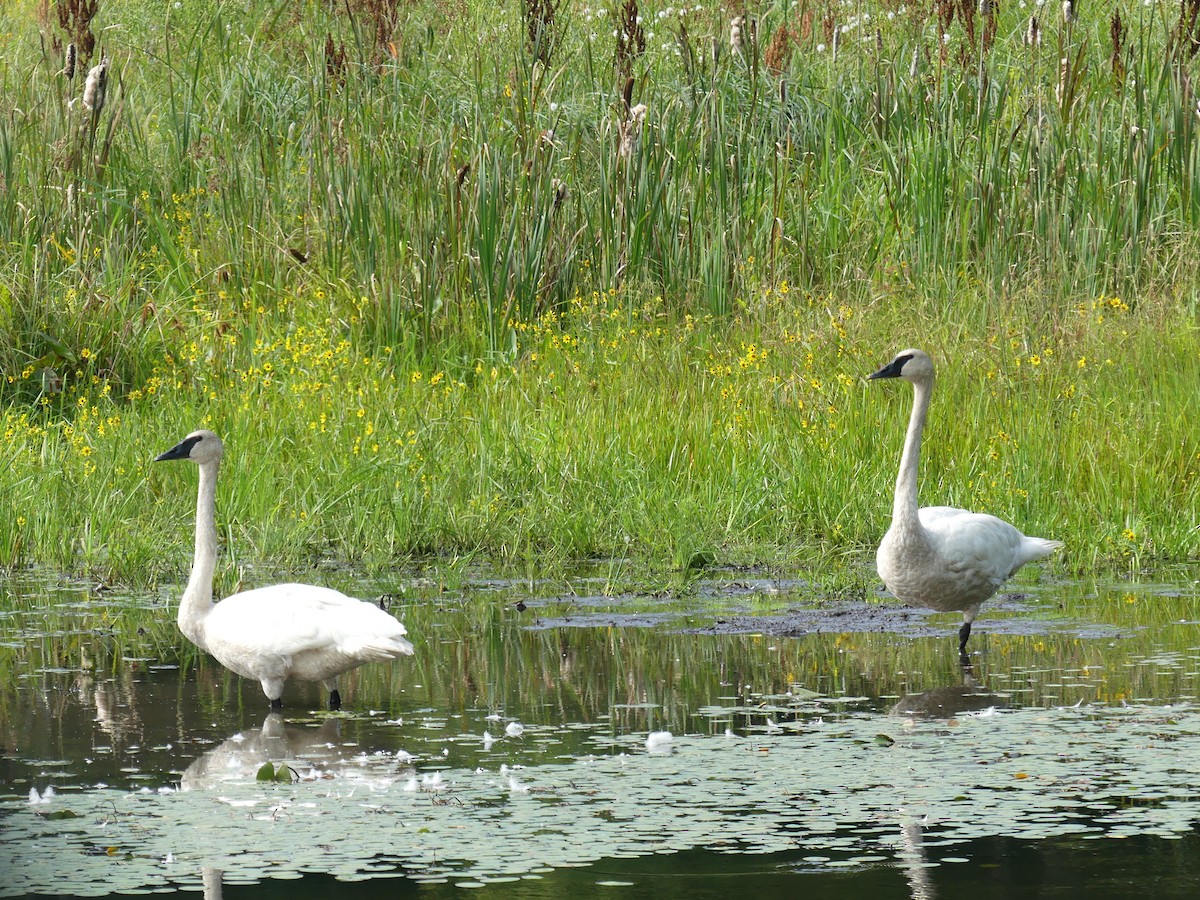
column 941, row 557
column 274, row 633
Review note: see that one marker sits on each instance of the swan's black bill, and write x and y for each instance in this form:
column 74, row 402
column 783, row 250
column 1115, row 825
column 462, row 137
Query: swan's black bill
column 182, row 450
column 892, row 369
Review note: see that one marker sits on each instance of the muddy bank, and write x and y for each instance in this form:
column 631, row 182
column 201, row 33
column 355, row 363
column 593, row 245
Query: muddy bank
column 1013, row 614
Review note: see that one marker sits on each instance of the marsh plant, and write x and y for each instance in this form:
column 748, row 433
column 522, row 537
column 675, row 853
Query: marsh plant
column 541, row 28
column 305, row 216
column 72, row 20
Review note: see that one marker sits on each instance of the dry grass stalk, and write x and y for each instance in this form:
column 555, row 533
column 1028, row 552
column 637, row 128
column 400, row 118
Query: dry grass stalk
column 384, row 17
column 1185, row 37
column 779, row 52
column 829, row 25
column 74, row 19
column 631, row 39
column 335, row 61
column 540, row 29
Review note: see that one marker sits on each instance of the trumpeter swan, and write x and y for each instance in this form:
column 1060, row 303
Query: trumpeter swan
column 941, row 557
column 279, row 632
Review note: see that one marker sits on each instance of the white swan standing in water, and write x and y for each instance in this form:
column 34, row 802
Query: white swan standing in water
column 274, row 633
column 941, row 557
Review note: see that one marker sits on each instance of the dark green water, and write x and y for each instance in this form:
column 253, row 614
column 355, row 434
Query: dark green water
column 840, row 752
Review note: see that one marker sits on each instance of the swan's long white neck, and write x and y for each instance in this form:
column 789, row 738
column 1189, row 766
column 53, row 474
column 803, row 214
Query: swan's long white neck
column 904, row 508
column 197, row 600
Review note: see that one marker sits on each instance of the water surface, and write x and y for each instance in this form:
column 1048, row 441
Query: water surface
column 745, row 734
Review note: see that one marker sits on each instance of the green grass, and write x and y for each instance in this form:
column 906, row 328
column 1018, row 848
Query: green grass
column 364, row 272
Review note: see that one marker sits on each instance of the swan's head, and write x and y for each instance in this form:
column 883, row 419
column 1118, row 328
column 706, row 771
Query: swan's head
column 911, row 365
column 199, row 446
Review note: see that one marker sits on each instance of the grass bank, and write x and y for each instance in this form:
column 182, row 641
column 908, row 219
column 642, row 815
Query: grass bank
column 460, row 281
column 623, row 430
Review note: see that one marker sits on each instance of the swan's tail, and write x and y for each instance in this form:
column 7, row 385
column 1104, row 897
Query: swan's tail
column 1036, row 548
column 381, row 649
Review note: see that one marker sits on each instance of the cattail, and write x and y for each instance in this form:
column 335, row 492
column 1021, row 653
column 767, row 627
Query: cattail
column 1117, row 31
column 560, row 191
column 95, row 86
column 1033, row 34
column 69, row 63
column 985, row 8
column 632, row 127
column 735, row 34
column 1068, row 9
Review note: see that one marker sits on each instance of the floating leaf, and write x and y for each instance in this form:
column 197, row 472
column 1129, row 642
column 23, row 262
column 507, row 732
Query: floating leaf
column 1107, row 780
column 60, row 814
column 266, row 772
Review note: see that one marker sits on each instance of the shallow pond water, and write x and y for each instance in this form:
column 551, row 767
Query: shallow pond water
column 743, row 735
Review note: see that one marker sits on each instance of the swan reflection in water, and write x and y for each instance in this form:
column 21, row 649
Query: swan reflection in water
column 914, row 860
column 951, row 700
column 939, row 703
column 312, row 753
column 212, row 882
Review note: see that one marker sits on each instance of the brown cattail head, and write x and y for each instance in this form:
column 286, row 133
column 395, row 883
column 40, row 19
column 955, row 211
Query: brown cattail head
column 1068, row 11
column 69, row 62
column 95, row 87
column 1117, row 31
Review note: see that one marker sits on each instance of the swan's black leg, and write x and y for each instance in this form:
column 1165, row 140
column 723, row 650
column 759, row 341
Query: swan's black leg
column 963, row 634
column 335, row 699
column 277, row 703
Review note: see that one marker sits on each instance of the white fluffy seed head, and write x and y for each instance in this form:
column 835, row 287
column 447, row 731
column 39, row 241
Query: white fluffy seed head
column 95, row 86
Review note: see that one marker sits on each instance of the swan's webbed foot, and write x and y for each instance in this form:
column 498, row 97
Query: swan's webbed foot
column 277, row 703
column 335, row 699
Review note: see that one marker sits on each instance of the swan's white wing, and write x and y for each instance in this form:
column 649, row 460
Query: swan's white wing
column 286, row 620
column 985, row 546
